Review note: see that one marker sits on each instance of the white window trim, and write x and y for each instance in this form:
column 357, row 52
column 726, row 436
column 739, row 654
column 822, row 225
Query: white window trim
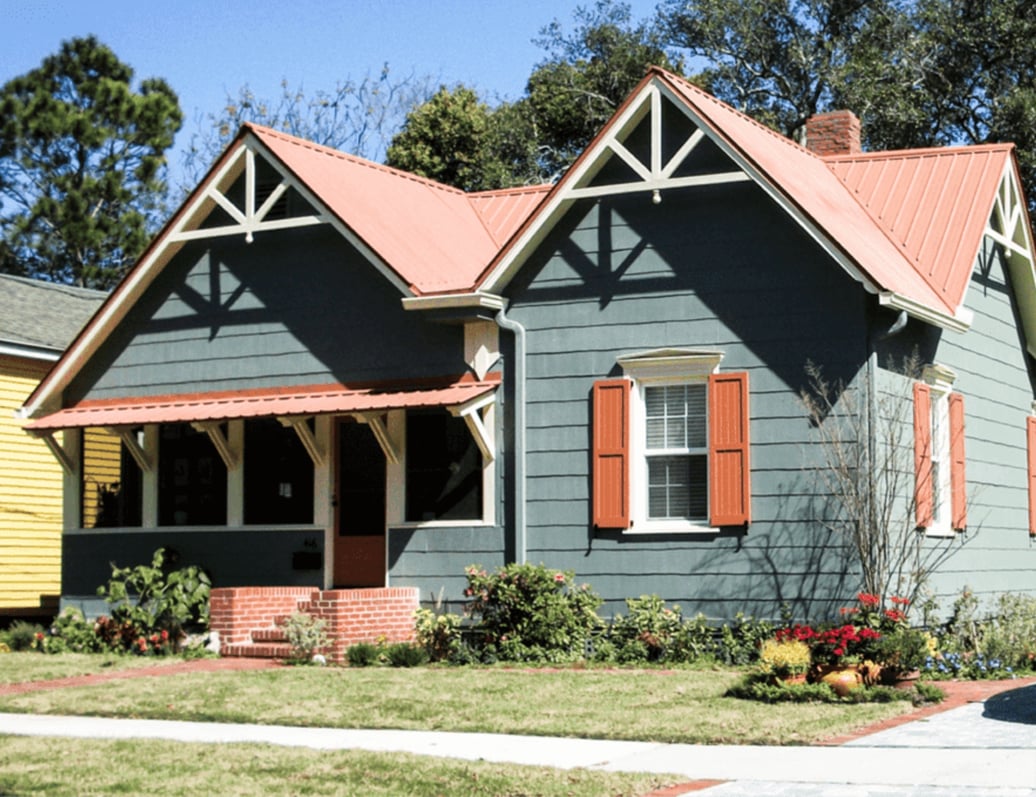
column 395, row 515
column 655, row 369
column 940, row 380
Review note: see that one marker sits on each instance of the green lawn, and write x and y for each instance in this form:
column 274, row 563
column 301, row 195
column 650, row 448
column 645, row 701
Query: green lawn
column 649, row 705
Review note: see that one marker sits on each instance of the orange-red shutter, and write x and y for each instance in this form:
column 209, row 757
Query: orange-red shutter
column 923, row 454
column 730, row 495
column 1030, row 437
column 611, row 453
column 958, row 484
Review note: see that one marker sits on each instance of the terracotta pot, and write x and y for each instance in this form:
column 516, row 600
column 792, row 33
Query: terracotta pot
column 795, row 679
column 907, row 680
column 842, row 680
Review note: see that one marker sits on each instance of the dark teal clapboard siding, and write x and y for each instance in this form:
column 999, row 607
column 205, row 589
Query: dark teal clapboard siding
column 997, row 554
column 295, row 307
column 713, row 269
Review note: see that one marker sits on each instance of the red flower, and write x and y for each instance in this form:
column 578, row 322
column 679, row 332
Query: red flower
column 867, row 599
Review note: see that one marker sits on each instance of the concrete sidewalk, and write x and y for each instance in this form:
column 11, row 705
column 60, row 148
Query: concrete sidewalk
column 978, row 750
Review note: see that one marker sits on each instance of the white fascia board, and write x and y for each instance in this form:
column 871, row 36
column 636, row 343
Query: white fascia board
column 961, row 322
column 452, row 301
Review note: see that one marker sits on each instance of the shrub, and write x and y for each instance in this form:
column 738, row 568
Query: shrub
column 21, row 635
column 363, row 654
column 739, row 641
column 153, row 599
column 69, row 632
column 784, row 657
column 306, row 635
column 438, row 634
column 404, row 654
column 647, row 632
column 527, row 612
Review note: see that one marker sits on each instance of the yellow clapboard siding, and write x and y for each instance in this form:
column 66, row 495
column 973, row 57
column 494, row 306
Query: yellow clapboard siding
column 30, row 496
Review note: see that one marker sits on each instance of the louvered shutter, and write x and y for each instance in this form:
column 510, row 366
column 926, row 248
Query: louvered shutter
column 1030, row 437
column 923, row 495
column 958, row 483
column 730, row 498
column 611, row 454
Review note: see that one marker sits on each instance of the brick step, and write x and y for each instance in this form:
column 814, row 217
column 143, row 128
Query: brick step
column 275, row 635
column 252, row 650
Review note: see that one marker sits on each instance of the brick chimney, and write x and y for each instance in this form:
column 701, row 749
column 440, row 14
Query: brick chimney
column 834, row 133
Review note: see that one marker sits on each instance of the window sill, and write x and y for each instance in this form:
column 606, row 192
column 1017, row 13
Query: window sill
column 669, row 527
column 442, row 524
column 940, row 532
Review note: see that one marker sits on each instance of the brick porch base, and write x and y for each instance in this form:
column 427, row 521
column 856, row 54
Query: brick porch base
column 248, row 618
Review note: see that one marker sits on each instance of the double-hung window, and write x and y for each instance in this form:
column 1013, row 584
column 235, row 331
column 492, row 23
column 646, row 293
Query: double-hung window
column 670, row 445
column 939, row 491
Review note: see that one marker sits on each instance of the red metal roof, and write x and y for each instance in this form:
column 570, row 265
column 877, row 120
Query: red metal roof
column 435, row 237
column 259, row 403
column 934, row 203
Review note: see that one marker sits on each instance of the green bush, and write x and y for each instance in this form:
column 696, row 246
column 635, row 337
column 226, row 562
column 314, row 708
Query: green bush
column 739, row 641
column 363, row 654
column 527, row 612
column 647, row 632
column 404, row 654
column 153, row 599
column 438, row 634
column 21, row 635
column 306, row 635
column 70, row 632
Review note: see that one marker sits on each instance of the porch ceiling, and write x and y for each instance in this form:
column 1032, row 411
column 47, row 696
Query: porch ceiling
column 276, row 402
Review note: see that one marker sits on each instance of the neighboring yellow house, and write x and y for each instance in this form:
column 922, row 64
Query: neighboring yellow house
column 37, row 321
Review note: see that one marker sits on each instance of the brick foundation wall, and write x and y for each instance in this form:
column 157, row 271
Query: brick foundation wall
column 351, row 615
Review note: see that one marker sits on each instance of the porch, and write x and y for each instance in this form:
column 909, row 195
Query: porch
column 248, row 619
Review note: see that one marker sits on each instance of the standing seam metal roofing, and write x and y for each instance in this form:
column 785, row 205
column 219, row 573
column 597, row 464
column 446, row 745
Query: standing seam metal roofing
column 431, row 234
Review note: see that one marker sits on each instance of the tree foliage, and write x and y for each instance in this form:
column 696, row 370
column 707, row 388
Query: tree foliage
column 356, row 116
column 456, row 138
column 82, row 158
column 917, row 72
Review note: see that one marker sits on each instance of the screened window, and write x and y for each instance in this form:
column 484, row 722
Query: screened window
column 278, row 475
column 443, row 469
column 676, row 449
column 111, row 491
column 192, row 479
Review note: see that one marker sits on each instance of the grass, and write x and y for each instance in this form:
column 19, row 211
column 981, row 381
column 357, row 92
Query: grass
column 74, row 767
column 22, row 667
column 649, row 705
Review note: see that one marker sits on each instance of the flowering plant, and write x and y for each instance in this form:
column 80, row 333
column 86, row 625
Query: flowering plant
column 839, row 645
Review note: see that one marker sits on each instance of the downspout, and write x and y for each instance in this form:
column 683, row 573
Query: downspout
column 515, row 327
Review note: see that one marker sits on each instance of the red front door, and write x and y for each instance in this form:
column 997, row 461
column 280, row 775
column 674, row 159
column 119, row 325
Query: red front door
column 359, row 552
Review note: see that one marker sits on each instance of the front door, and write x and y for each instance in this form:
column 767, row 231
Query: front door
column 359, row 553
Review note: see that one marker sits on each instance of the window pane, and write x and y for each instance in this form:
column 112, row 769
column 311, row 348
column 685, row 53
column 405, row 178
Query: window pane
column 278, row 474
column 677, row 487
column 111, row 482
column 675, row 416
column 192, row 479
column 443, row 469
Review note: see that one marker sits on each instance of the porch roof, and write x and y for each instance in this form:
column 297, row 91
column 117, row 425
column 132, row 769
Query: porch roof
column 258, row 403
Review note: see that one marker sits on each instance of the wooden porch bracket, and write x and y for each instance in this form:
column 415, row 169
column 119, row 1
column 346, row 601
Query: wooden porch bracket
column 129, row 439
column 376, row 422
column 306, row 437
column 471, row 412
column 219, row 440
column 57, row 450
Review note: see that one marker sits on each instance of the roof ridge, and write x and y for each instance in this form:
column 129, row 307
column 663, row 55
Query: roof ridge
column 898, row 154
column 518, row 189
column 355, row 159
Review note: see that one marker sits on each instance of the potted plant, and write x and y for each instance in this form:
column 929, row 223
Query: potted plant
column 901, row 653
column 785, row 660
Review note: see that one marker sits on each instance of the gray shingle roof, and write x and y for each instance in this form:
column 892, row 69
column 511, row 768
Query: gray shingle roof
column 43, row 314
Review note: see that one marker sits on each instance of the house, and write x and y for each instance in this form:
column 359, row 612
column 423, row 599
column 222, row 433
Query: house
column 37, row 320
column 335, row 385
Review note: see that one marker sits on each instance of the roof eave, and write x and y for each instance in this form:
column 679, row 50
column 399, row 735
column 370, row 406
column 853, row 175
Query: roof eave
column 957, row 322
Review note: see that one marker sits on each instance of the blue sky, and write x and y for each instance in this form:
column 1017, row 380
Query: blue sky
column 206, row 48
